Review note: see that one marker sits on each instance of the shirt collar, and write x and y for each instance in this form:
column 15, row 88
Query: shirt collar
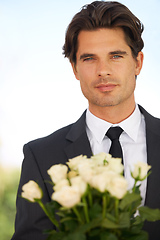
column 99, row 127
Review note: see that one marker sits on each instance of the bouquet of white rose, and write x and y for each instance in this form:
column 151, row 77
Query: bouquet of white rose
column 92, row 201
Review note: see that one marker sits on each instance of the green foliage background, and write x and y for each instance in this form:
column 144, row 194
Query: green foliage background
column 8, row 187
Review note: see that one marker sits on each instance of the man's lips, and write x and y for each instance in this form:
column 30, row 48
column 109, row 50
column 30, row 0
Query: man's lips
column 106, row 87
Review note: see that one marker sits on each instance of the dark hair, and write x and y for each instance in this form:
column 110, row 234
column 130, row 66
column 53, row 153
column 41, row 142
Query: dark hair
column 100, row 14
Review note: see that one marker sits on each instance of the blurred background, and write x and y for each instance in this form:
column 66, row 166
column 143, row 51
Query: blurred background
column 38, row 91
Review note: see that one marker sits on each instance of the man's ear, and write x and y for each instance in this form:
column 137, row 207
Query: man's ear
column 139, row 63
column 74, row 70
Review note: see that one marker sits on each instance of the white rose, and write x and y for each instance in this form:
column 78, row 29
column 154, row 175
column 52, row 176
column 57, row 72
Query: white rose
column 102, row 180
column 117, row 186
column 31, row 191
column 115, row 164
column 74, row 162
column 79, row 183
column 60, row 184
column 58, row 172
column 99, row 158
column 67, row 196
column 86, row 171
column 101, row 169
column 140, row 171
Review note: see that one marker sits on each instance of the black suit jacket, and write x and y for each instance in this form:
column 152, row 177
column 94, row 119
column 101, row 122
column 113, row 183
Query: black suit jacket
column 68, row 142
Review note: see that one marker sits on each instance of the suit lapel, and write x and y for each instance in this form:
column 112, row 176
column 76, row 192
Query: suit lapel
column 79, row 143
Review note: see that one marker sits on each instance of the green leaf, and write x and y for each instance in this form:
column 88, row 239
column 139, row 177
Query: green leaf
column 75, row 236
column 95, row 211
column 110, row 222
column 67, row 218
column 129, row 199
column 137, row 224
column 131, row 236
column 69, row 224
column 111, row 217
column 137, row 189
column 52, row 207
column 91, row 225
column 106, row 223
column 136, row 220
column 124, row 220
column 108, row 236
column 149, row 214
column 94, row 234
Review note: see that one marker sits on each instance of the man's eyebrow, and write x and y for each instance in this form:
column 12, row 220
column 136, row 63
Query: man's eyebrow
column 86, row 55
column 118, row 52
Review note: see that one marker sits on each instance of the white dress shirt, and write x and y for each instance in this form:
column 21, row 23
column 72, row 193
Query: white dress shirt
column 132, row 139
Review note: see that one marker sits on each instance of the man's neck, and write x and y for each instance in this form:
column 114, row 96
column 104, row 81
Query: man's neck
column 113, row 114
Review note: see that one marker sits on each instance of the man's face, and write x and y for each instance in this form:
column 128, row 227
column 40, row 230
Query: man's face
column 106, row 68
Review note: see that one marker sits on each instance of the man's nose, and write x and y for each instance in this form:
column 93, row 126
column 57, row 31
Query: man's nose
column 103, row 68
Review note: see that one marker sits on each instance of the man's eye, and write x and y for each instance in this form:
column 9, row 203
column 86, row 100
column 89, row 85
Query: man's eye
column 88, row 59
column 117, row 56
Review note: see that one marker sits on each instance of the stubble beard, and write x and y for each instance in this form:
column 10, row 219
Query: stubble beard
column 105, row 102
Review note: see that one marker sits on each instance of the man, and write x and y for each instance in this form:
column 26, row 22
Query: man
column 103, row 43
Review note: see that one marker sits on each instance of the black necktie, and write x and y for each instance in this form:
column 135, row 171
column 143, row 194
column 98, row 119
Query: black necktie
column 115, row 150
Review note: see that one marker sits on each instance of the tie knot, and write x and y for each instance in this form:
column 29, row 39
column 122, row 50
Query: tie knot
column 114, row 132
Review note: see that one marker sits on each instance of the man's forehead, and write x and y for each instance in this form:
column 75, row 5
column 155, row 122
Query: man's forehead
column 111, row 40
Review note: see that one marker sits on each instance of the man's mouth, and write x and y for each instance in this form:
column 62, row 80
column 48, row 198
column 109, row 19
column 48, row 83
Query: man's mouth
column 106, row 87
